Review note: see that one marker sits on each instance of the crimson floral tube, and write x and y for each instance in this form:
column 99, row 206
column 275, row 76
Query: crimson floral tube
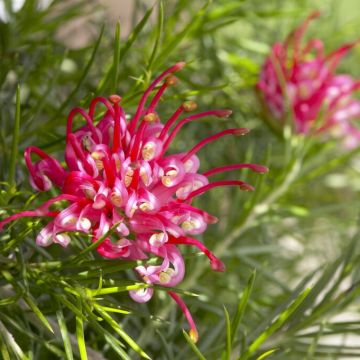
column 119, row 175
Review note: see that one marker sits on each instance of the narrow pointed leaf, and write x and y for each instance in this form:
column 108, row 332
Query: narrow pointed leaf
column 65, row 334
column 38, row 312
column 242, row 306
column 278, row 322
column 194, row 348
column 119, row 330
column 227, row 354
column 80, row 335
column 117, row 49
column 15, row 142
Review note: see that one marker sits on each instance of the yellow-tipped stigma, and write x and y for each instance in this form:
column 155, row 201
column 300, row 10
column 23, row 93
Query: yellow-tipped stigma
column 150, row 117
column 115, row 99
column 194, row 336
column 189, row 105
column 171, row 80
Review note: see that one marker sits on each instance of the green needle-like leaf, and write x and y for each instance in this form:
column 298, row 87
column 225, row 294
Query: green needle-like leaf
column 158, row 35
column 266, row 354
column 194, row 348
column 38, row 312
column 65, row 334
column 80, row 335
column 135, row 33
column 117, row 50
column 15, row 142
column 227, row 355
column 176, row 39
column 282, row 318
column 245, row 295
column 95, row 244
column 119, row 330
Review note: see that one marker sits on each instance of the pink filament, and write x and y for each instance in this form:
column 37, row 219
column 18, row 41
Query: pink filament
column 216, row 264
column 171, row 121
column 254, row 167
column 27, row 213
column 86, row 116
column 209, row 139
column 103, row 100
column 185, row 310
column 117, row 129
column 62, row 197
column 135, row 119
column 243, row 186
column 157, row 97
column 136, row 145
column 298, row 34
column 217, row 113
column 335, row 57
column 42, row 210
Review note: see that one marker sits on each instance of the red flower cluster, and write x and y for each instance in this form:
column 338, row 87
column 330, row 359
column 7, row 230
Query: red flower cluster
column 301, row 79
column 119, row 176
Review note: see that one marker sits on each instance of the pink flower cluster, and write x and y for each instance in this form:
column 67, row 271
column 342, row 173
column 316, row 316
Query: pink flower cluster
column 118, row 177
column 299, row 78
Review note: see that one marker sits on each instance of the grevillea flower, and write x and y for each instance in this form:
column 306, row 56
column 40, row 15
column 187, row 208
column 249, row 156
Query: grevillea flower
column 119, row 176
column 300, row 78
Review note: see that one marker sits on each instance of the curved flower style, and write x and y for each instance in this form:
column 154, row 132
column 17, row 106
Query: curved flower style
column 118, row 176
column 301, row 78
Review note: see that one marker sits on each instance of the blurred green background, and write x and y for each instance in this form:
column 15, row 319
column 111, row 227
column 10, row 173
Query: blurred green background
column 299, row 228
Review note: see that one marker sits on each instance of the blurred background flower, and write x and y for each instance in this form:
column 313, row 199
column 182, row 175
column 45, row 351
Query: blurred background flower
column 298, row 86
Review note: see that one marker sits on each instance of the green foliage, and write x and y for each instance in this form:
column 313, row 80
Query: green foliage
column 298, row 231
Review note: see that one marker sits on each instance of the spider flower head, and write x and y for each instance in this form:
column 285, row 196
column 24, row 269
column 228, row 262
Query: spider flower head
column 299, row 79
column 119, row 176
